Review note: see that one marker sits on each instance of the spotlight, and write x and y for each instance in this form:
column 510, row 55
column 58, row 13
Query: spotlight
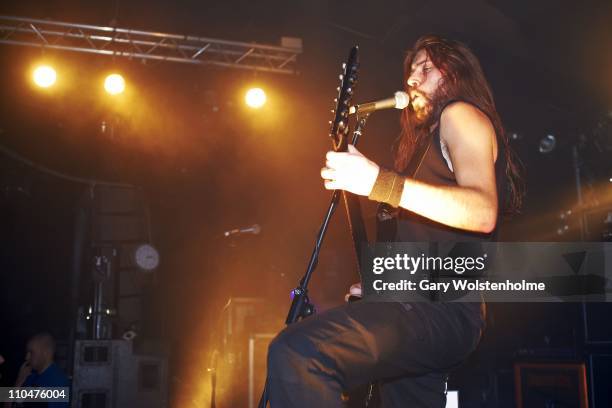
column 255, row 98
column 548, row 144
column 114, row 84
column 44, row 76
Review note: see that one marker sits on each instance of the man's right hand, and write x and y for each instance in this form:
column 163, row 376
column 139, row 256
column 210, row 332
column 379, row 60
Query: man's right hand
column 354, row 291
column 24, row 372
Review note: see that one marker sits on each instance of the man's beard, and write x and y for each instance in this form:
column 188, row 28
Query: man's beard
column 423, row 106
column 420, row 109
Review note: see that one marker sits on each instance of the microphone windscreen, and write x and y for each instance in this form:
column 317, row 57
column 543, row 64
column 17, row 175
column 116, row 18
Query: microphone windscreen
column 401, row 100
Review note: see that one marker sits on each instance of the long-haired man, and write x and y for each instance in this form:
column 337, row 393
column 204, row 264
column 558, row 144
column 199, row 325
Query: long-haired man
column 464, row 180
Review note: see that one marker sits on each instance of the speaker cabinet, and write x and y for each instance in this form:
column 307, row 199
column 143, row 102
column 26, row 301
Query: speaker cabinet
column 597, row 327
column 108, row 374
column 600, row 380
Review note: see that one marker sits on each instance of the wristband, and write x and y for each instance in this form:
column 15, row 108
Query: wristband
column 388, row 188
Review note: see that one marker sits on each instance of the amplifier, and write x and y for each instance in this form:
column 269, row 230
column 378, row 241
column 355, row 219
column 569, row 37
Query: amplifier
column 247, row 327
column 550, row 385
column 258, row 352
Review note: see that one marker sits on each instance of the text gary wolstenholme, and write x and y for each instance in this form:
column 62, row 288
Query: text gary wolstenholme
column 457, row 285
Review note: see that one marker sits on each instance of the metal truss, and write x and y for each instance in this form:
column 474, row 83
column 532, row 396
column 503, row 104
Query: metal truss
column 147, row 45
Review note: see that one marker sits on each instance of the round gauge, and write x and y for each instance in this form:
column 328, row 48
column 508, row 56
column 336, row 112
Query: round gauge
column 146, row 257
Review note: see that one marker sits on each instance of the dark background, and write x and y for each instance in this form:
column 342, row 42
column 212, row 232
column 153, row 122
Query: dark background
column 207, row 164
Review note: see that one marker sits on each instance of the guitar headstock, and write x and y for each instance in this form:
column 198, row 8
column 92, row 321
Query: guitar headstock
column 348, row 80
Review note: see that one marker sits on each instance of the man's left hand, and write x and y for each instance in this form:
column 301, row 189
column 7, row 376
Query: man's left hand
column 350, row 171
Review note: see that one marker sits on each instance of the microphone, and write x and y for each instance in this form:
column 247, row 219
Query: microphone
column 399, row 101
column 254, row 229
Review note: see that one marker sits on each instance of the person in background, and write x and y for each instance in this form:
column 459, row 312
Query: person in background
column 40, row 370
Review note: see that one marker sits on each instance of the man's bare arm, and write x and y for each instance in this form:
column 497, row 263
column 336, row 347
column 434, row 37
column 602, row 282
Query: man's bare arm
column 472, row 205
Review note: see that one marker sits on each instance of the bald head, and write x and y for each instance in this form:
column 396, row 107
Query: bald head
column 40, row 351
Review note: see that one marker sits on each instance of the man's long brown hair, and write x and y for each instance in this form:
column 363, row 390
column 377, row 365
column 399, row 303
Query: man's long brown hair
column 462, row 79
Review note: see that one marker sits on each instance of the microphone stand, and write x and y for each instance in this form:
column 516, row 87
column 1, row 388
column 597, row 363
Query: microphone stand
column 301, row 307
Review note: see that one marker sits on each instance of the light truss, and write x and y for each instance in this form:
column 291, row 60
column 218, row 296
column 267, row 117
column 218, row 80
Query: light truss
column 148, row 45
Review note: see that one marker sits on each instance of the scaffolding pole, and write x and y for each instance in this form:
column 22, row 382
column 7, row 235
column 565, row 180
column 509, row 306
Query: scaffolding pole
column 149, row 45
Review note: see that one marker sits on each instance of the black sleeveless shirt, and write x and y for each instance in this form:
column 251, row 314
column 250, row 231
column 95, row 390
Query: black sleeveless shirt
column 411, row 227
column 434, row 169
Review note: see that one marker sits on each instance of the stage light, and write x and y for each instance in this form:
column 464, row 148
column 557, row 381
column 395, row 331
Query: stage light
column 547, row 144
column 255, row 98
column 44, row 76
column 114, row 84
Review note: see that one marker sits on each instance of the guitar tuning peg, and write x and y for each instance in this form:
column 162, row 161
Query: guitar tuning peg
column 329, row 122
column 338, row 89
column 344, row 65
column 349, row 91
column 341, row 77
column 333, row 111
column 335, row 100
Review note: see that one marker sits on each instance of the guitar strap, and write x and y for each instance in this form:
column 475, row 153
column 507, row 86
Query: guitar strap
column 386, row 226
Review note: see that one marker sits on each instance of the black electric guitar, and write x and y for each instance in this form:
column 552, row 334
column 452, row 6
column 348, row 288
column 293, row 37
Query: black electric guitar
column 341, row 138
column 340, row 134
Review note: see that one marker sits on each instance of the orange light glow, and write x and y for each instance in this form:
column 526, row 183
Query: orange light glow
column 44, row 76
column 255, row 98
column 114, row 84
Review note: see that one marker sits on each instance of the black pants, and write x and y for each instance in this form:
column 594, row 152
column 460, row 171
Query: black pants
column 407, row 348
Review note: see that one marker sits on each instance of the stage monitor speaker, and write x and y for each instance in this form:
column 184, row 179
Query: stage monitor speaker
column 550, row 385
